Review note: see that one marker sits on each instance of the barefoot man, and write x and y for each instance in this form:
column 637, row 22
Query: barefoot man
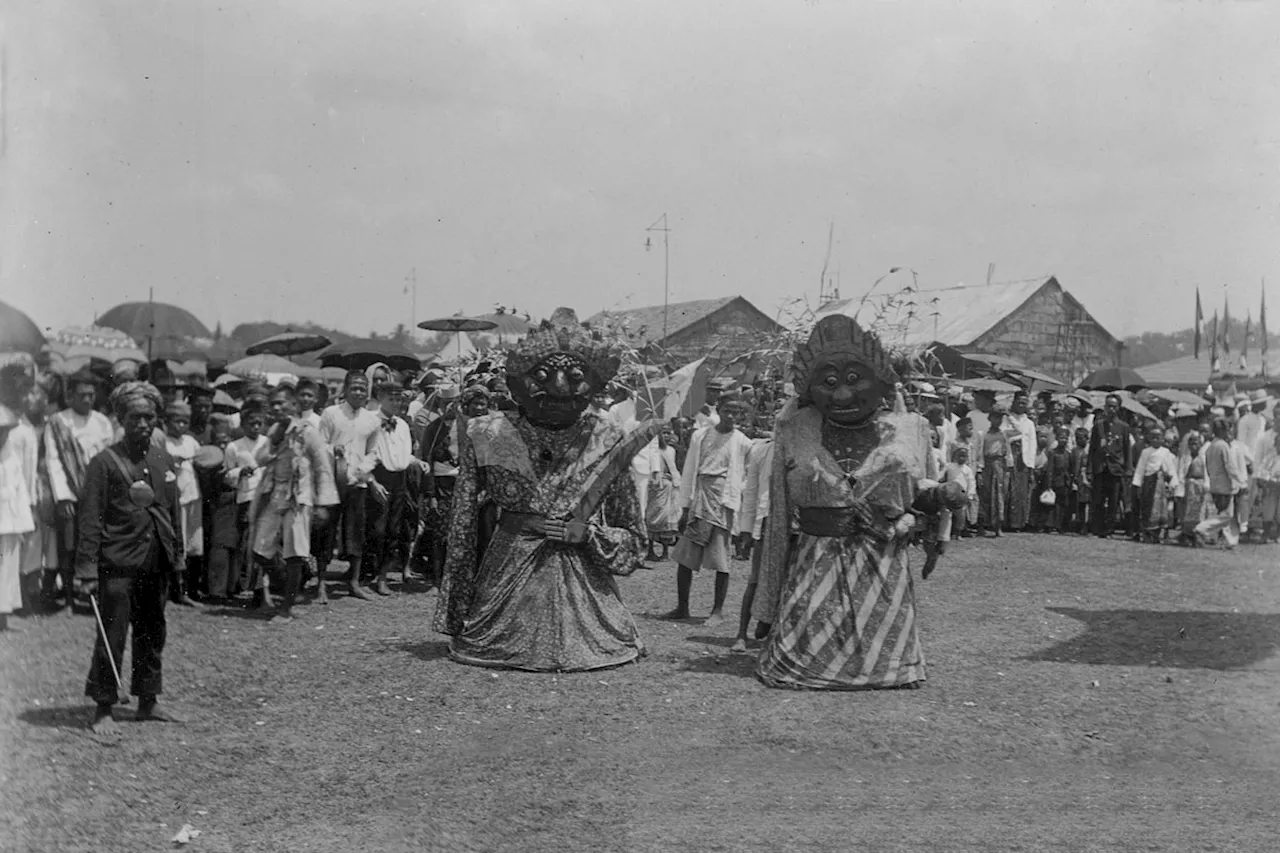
column 129, row 552
column 715, row 473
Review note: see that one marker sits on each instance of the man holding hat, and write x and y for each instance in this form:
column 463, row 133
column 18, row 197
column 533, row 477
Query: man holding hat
column 72, row 438
column 129, row 552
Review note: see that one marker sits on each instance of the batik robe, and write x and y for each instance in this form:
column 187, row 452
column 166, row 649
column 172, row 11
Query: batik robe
column 532, row 603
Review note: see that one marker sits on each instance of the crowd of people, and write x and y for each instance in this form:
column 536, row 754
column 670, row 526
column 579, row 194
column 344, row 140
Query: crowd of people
column 1055, row 464
column 522, row 490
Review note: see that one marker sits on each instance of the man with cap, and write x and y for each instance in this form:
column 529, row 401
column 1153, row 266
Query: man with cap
column 709, row 415
column 72, row 438
column 391, row 454
column 348, row 428
column 129, row 552
column 200, row 398
column 1110, row 466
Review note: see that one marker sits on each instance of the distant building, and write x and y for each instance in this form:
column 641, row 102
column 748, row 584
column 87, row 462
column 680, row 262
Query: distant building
column 720, row 329
column 1188, row 373
column 1035, row 322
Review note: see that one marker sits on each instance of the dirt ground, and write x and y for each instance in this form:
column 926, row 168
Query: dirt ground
column 1082, row 695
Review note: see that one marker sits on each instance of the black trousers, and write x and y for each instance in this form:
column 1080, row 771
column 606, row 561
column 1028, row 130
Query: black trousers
column 136, row 600
column 1107, row 490
column 384, row 530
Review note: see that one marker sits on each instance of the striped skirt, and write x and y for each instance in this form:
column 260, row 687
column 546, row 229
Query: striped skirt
column 847, row 619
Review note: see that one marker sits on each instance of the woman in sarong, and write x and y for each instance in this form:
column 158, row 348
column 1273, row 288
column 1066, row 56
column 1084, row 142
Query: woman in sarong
column 1192, row 491
column 662, row 515
column 543, row 597
column 840, row 598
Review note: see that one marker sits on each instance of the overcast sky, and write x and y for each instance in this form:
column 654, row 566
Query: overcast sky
column 295, row 159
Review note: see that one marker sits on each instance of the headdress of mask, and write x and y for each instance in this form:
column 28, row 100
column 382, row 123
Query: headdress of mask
column 840, row 334
column 564, row 334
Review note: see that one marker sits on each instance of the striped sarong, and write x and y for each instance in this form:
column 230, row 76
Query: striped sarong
column 847, row 619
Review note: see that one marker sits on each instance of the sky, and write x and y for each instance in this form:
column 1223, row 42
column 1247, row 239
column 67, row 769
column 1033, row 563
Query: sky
column 296, row 159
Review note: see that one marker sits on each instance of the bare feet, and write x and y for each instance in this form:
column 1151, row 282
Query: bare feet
column 281, row 618
column 739, row 645
column 103, row 723
column 322, row 594
column 382, row 588
column 713, row 620
column 152, row 712
column 188, row 601
column 359, row 592
column 675, row 615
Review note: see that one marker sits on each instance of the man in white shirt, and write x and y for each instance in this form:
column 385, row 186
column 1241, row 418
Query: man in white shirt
column 347, row 429
column 1021, row 430
column 72, row 438
column 714, row 476
column 391, row 454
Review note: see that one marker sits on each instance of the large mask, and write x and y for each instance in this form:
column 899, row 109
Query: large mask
column 554, row 372
column 843, row 371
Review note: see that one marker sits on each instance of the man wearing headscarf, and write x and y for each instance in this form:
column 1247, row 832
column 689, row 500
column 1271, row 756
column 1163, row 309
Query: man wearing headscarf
column 130, row 552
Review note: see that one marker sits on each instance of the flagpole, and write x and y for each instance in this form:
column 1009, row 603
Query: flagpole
column 151, row 318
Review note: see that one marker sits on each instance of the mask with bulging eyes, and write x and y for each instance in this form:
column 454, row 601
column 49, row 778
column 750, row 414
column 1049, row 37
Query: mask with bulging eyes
column 556, row 390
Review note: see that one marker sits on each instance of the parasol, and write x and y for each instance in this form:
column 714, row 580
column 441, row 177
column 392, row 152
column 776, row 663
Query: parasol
column 81, row 345
column 1174, row 395
column 993, row 360
column 268, row 365
column 18, row 333
column 1129, row 403
column 1034, row 376
column 456, row 325
column 986, row 384
column 1113, row 379
column 175, row 348
column 360, row 354
column 142, row 320
column 289, row 343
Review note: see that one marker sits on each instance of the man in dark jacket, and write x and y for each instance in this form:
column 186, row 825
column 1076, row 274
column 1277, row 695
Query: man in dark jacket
column 129, row 552
column 1110, row 466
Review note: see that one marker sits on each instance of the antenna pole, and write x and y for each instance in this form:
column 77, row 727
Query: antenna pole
column 661, row 225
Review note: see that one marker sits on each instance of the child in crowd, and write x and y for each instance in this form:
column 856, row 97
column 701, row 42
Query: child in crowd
column 959, row 471
column 224, row 533
column 1078, row 504
column 243, row 473
column 1155, row 479
column 182, row 447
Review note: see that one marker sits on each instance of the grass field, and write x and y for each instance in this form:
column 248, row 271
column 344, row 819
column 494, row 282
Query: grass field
column 1082, row 695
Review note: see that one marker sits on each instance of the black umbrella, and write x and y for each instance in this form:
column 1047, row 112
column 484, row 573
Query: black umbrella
column 142, row 320
column 175, row 348
column 289, row 343
column 1113, row 379
column 17, row 332
column 360, row 354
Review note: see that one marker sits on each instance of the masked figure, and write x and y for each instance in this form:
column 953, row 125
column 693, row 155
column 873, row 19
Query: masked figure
column 839, row 595
column 543, row 596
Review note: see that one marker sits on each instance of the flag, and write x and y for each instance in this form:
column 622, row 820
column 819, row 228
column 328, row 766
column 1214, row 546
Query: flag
column 1244, row 350
column 1213, row 344
column 1262, row 327
column 1226, row 328
column 1199, row 321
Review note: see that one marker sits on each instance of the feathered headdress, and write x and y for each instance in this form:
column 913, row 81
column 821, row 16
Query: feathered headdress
column 563, row 333
column 840, row 334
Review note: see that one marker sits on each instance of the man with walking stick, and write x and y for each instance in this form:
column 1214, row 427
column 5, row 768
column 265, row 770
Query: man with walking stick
column 129, row 553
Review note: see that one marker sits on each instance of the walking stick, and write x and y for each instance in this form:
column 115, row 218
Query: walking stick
column 106, row 644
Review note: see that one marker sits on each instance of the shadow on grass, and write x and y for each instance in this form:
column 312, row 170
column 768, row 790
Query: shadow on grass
column 723, row 642
column 741, row 665
column 436, row 650
column 254, row 614
column 1189, row 639
column 70, row 716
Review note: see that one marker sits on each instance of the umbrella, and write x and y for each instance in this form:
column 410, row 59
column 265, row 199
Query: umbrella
column 17, row 332
column 1035, row 376
column 175, row 348
column 457, row 325
column 1113, row 379
column 84, row 343
column 1127, row 402
column 289, row 343
column 993, row 360
column 143, row 320
column 267, row 364
column 507, row 326
column 1173, row 395
column 359, row 354
column 985, row 384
